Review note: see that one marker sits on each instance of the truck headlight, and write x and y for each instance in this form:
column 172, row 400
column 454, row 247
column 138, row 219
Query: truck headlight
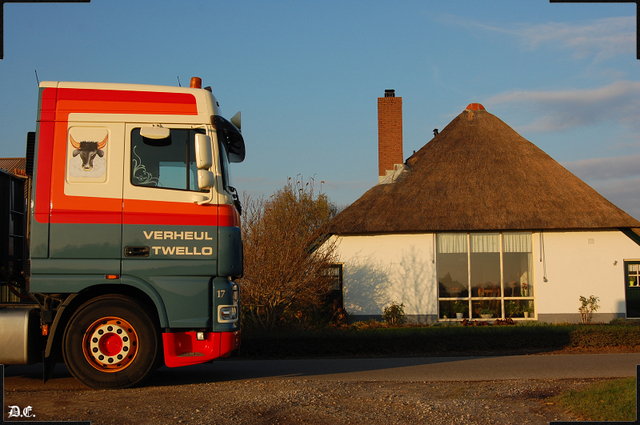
column 227, row 313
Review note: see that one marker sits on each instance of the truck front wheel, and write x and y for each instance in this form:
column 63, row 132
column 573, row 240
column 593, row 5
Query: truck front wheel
column 110, row 342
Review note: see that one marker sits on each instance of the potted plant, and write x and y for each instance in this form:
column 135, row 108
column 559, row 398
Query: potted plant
column 527, row 309
column 512, row 308
column 486, row 312
column 460, row 308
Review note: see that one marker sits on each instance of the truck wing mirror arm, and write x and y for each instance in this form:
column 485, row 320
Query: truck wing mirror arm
column 236, row 199
column 206, row 180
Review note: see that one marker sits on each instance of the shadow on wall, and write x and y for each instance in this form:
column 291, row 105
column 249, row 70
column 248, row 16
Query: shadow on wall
column 370, row 286
column 365, row 286
column 622, row 308
column 413, row 283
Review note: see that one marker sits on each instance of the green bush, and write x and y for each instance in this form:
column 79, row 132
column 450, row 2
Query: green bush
column 372, row 339
column 588, row 307
column 394, row 314
column 600, row 336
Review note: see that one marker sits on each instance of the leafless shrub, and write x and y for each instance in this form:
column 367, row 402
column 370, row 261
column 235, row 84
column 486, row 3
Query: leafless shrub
column 285, row 255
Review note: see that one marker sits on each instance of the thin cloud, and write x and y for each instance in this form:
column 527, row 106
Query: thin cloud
column 565, row 109
column 601, row 169
column 601, row 39
column 625, row 194
column 615, row 178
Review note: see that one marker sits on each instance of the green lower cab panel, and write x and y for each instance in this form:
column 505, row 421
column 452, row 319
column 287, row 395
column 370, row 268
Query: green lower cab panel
column 183, row 285
column 72, row 275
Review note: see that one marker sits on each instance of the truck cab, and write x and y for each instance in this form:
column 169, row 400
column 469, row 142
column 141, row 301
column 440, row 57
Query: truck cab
column 135, row 238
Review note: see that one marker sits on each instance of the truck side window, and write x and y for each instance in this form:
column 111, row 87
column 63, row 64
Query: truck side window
column 165, row 163
column 224, row 166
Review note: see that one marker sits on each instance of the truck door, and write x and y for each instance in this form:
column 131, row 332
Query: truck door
column 169, row 241
column 85, row 208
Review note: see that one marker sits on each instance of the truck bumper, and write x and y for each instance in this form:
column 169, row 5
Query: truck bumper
column 184, row 348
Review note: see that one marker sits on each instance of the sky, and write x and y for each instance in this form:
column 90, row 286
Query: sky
column 307, row 74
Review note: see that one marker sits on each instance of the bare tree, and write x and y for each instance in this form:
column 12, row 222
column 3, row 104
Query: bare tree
column 286, row 254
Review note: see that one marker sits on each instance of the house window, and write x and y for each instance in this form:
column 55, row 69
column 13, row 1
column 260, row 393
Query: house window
column 482, row 275
column 633, row 273
column 334, row 272
column 334, row 298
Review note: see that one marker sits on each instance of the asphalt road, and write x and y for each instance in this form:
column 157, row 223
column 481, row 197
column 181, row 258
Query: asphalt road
column 384, row 369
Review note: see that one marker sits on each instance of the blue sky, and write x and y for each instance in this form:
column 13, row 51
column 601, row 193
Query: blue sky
column 307, row 74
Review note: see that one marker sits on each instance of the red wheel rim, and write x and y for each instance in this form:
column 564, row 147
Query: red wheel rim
column 110, row 344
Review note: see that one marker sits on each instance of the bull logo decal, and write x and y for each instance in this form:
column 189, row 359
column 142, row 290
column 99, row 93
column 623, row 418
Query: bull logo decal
column 88, row 151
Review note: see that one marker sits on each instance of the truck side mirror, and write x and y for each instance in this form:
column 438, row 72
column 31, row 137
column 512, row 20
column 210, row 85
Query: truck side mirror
column 204, row 156
column 206, row 179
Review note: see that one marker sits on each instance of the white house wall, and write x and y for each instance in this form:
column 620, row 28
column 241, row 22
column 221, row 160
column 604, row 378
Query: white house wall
column 380, row 269
column 581, row 263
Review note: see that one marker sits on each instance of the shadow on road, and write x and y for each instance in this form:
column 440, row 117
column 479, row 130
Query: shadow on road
column 29, row 378
column 478, row 368
column 323, row 369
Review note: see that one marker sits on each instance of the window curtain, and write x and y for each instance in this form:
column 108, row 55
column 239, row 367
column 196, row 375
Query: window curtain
column 452, row 243
column 516, row 242
column 456, row 243
column 485, row 242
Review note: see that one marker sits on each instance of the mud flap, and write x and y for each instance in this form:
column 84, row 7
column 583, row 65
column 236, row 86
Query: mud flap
column 48, row 366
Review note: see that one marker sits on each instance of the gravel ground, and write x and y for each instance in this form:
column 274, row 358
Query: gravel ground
column 295, row 401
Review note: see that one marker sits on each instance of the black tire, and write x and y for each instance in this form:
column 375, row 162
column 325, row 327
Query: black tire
column 111, row 342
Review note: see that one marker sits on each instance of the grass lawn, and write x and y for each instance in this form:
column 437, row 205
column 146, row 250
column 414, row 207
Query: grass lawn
column 613, row 400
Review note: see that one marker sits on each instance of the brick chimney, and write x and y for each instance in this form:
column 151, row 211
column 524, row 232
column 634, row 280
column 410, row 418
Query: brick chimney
column 389, row 133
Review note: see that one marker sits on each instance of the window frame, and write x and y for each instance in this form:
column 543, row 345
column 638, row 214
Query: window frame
column 189, row 150
column 471, row 299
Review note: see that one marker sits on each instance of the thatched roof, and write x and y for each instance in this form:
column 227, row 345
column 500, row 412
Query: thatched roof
column 15, row 166
column 479, row 174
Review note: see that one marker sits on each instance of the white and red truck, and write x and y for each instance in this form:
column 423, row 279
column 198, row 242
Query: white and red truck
column 125, row 250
